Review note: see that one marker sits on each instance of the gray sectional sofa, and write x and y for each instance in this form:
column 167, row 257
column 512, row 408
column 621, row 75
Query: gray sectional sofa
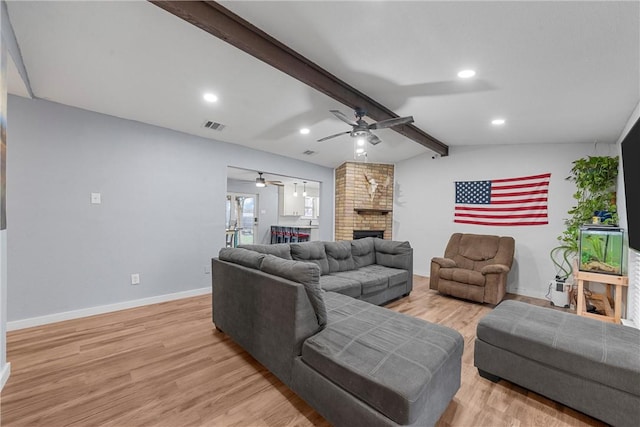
column 308, row 313
column 586, row 364
column 374, row 270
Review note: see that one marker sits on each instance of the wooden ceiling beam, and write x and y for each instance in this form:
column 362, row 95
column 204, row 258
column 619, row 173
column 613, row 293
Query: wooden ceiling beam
column 224, row 24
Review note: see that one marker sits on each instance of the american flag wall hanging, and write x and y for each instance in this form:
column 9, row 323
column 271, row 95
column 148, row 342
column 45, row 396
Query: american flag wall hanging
column 503, row 202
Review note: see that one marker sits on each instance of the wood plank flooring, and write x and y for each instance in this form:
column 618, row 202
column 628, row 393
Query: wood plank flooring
column 166, row 365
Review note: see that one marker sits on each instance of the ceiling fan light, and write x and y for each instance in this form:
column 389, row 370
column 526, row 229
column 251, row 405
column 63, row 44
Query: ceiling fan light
column 361, row 142
column 465, row 74
column 210, row 97
column 359, row 150
column 260, row 182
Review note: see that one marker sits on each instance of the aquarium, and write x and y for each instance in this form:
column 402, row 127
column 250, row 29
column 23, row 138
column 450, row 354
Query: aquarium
column 601, row 249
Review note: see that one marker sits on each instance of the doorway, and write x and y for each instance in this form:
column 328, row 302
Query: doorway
column 241, row 219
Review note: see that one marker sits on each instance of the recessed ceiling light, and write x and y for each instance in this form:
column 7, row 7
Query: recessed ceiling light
column 304, row 131
column 209, row 97
column 361, row 142
column 497, row 122
column 465, row 74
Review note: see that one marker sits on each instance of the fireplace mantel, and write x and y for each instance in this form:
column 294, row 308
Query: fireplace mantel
column 373, row 210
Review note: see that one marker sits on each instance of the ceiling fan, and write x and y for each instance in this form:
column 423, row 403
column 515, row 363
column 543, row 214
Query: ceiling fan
column 261, row 182
column 362, row 128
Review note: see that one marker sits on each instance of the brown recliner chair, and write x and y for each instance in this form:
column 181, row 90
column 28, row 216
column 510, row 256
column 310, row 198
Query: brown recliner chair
column 474, row 267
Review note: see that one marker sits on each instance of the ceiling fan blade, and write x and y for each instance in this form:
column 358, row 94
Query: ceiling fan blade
column 373, row 140
column 343, row 117
column 333, row 136
column 391, row 122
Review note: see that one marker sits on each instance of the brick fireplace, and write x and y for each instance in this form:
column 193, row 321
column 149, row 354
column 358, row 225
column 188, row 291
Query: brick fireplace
column 364, row 199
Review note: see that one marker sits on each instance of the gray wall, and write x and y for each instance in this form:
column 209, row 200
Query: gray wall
column 425, row 196
column 162, row 211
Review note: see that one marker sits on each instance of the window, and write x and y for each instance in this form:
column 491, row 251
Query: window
column 308, row 207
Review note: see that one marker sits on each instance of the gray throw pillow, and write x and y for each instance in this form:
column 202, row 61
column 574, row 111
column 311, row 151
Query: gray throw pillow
column 306, row 273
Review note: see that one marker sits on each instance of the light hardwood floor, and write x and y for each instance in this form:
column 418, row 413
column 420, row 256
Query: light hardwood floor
column 166, row 365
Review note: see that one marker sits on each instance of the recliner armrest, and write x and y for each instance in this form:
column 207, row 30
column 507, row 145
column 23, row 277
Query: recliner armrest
column 494, row 268
column 444, row 262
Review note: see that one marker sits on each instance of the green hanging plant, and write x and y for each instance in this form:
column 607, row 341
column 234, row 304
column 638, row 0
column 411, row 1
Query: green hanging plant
column 595, row 179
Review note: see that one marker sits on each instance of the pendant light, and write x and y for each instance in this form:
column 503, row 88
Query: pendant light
column 295, row 189
column 304, row 188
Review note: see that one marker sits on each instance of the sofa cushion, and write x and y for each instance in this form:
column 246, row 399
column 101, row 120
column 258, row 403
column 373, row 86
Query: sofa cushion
column 363, row 252
column 342, row 285
column 385, row 358
column 461, row 275
column 587, row 348
column 395, row 276
column 370, row 281
column 313, row 252
column 306, row 273
column 243, row 257
column 281, row 250
column 339, row 256
column 392, row 253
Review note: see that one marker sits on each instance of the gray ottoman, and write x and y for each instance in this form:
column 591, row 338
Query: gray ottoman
column 586, row 364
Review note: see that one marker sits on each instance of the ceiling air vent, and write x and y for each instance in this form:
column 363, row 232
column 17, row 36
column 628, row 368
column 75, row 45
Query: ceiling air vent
column 213, row 125
column 309, row 152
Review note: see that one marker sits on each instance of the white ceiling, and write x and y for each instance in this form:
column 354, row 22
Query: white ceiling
column 558, row 72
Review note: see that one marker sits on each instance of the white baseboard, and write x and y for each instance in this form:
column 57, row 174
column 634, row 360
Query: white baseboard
column 4, row 375
column 91, row 311
column 526, row 292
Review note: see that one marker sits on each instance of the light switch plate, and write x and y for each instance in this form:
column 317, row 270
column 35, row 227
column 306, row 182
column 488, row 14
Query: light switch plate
column 135, row 279
column 96, row 198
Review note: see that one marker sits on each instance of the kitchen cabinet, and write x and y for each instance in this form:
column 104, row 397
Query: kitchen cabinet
column 289, row 204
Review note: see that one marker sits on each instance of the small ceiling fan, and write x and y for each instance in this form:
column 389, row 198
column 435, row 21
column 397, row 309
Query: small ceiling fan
column 362, row 128
column 261, row 182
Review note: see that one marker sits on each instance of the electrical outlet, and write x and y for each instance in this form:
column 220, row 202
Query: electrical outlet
column 135, row 279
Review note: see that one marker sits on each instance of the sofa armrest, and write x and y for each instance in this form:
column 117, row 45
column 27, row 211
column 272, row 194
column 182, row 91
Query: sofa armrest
column 495, row 282
column 494, row 268
column 444, row 262
column 269, row 316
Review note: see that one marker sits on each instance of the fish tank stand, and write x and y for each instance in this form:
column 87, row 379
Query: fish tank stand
column 613, row 295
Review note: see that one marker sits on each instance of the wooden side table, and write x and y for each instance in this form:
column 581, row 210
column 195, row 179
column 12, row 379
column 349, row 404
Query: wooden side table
column 611, row 315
